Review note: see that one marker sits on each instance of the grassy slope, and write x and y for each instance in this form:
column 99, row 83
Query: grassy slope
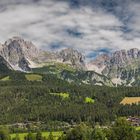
column 6, row 78
column 53, row 67
column 63, row 95
column 44, row 134
column 68, row 73
column 130, row 100
column 89, row 100
column 33, row 77
column 138, row 128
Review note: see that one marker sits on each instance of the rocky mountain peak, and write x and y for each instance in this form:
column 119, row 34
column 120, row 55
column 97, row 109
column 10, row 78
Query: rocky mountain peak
column 28, row 48
column 124, row 57
column 13, row 39
column 99, row 63
column 70, row 52
column 100, row 60
column 73, row 57
column 134, row 53
column 119, row 66
column 13, row 52
column 21, row 55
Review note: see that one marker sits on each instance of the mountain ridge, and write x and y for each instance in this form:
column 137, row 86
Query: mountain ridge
column 121, row 67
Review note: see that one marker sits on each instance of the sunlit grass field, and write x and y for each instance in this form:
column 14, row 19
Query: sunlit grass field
column 130, row 100
column 138, row 128
column 7, row 78
column 89, row 100
column 33, row 77
column 63, row 95
column 56, row 135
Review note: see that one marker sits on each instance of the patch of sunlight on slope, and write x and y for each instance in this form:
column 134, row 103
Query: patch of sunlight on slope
column 130, row 100
column 33, row 77
column 89, row 100
column 63, row 95
column 7, row 78
column 22, row 136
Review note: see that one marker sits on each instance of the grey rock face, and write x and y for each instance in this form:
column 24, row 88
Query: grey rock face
column 100, row 61
column 20, row 53
column 86, row 77
column 73, row 57
column 4, row 64
column 13, row 53
column 29, row 50
column 68, row 56
column 124, row 57
column 123, row 64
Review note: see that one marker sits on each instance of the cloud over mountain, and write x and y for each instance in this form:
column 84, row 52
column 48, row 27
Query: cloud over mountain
column 87, row 25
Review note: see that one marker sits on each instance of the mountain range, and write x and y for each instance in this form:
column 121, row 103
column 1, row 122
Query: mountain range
column 118, row 68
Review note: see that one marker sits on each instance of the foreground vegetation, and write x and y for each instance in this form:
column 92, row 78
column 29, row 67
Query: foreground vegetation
column 43, row 135
column 120, row 130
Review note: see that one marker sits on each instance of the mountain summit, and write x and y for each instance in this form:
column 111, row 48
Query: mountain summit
column 23, row 55
column 123, row 66
column 119, row 68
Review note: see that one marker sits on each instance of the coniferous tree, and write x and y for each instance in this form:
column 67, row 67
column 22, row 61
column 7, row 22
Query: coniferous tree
column 39, row 136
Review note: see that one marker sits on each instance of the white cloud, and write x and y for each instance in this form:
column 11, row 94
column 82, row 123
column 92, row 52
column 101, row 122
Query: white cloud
column 47, row 23
column 134, row 22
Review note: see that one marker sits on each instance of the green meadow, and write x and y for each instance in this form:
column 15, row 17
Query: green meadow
column 138, row 128
column 7, row 78
column 56, row 135
column 33, row 77
column 63, row 95
column 89, row 100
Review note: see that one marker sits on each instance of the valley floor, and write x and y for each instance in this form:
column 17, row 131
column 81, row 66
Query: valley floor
column 46, row 134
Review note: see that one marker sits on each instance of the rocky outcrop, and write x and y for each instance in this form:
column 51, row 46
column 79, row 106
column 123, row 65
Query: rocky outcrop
column 23, row 55
column 122, row 66
column 29, row 50
column 99, row 63
column 13, row 53
column 86, row 77
column 72, row 57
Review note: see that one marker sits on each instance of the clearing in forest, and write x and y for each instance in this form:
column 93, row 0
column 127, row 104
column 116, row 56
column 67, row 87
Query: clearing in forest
column 33, row 77
column 63, row 95
column 7, row 78
column 130, row 100
column 22, row 136
column 89, row 100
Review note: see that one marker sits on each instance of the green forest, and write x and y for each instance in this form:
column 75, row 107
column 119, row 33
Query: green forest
column 31, row 102
column 52, row 99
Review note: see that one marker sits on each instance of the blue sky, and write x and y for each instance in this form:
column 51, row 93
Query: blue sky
column 91, row 26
